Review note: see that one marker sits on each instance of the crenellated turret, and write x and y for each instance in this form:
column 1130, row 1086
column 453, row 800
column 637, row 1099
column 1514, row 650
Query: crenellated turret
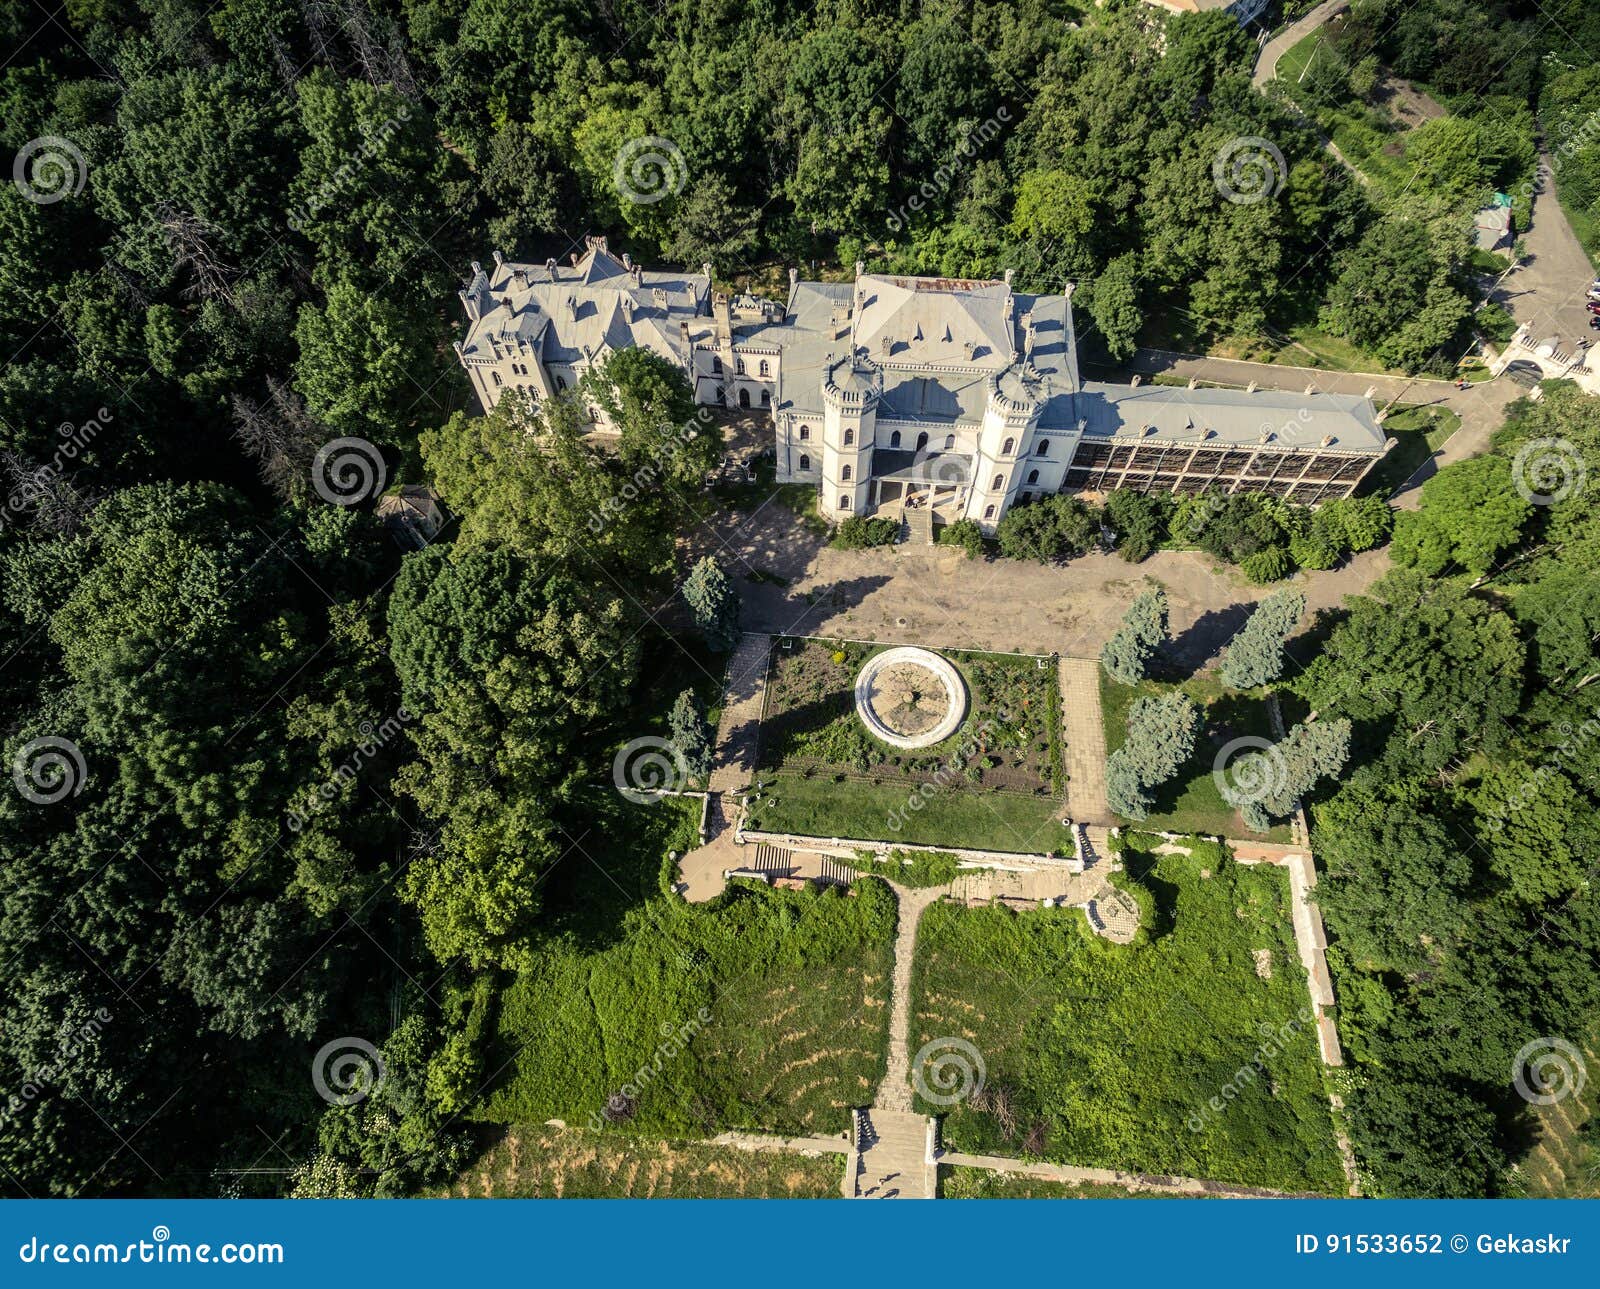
column 851, row 387
column 1017, row 396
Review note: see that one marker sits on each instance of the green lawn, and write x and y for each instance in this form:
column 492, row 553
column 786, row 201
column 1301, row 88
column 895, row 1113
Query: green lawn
column 1418, row 432
column 1170, row 1055
column 980, row 1183
column 764, row 1010
column 540, row 1162
column 1192, row 800
column 821, row 807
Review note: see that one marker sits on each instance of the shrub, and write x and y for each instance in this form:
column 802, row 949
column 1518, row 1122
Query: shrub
column 1138, row 519
column 1270, row 564
column 857, row 533
column 966, row 534
column 1048, row 530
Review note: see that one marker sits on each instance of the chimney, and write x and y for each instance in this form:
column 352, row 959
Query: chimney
column 469, row 305
column 550, row 268
column 1134, row 383
column 705, row 270
column 638, row 275
column 1250, row 388
column 1194, row 382
column 499, row 259
column 627, row 261
column 861, row 267
column 658, row 297
column 794, row 280
column 1311, row 387
column 575, row 258
column 969, row 346
column 476, row 268
column 572, row 306
column 1008, row 277
column 1328, row 440
column 627, row 309
column 1372, row 393
column 721, row 316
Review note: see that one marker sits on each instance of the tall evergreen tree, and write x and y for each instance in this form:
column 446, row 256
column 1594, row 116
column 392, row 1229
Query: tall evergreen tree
column 714, row 603
column 1255, row 654
column 1127, row 654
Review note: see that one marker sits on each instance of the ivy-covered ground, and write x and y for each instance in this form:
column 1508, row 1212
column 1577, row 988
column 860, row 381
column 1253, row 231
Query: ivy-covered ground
column 995, row 783
column 1107, row 1055
column 1191, row 801
column 763, row 1010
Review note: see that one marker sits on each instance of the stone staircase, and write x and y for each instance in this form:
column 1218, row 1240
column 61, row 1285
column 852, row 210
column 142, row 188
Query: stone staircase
column 917, row 526
column 894, row 1156
column 773, row 860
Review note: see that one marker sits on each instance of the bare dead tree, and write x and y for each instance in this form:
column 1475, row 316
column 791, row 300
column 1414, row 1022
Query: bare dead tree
column 127, row 284
column 281, row 435
column 320, row 26
column 189, row 238
column 358, row 24
column 1037, row 1139
column 44, row 494
column 287, row 72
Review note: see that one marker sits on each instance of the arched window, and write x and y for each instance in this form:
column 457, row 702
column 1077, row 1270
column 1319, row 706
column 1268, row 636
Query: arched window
column 1044, row 448
column 765, row 369
column 894, row 439
column 844, row 503
column 849, row 437
column 766, row 398
column 844, row 474
column 805, row 461
column 1033, row 476
column 561, row 383
column 988, row 512
column 738, row 365
column 716, row 365
column 1007, row 447
column 805, row 433
column 999, row 483
column 949, row 441
column 496, row 376
column 922, row 442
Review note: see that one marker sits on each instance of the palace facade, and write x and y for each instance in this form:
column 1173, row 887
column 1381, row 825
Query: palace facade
column 956, row 395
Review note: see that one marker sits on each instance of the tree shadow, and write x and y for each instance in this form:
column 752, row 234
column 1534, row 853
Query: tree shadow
column 1189, row 651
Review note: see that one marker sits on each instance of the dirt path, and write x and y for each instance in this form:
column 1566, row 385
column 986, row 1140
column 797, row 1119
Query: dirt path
column 895, row 1091
column 1153, row 1182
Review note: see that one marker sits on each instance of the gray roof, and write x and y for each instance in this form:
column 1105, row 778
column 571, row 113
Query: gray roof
column 595, row 304
column 1229, row 416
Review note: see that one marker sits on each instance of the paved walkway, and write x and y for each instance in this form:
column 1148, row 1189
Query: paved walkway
column 1547, row 289
column 1153, row 1182
column 701, row 870
column 1086, row 741
column 1289, row 37
column 740, row 726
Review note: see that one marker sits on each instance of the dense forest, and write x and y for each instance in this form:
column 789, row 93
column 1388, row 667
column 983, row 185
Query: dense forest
column 278, row 782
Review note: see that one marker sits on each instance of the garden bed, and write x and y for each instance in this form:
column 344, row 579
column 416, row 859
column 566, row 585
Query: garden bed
column 1008, row 742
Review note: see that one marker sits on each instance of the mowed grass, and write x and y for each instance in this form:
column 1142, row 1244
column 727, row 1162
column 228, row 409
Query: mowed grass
column 821, row 807
column 1169, row 1055
column 1191, row 801
column 1418, row 432
column 980, row 1183
column 542, row 1162
column 763, row 1010
column 1562, row 1165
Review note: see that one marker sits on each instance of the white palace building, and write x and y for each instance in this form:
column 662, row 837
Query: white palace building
column 960, row 396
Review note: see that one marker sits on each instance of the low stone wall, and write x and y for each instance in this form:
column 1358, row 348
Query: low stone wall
column 846, row 848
